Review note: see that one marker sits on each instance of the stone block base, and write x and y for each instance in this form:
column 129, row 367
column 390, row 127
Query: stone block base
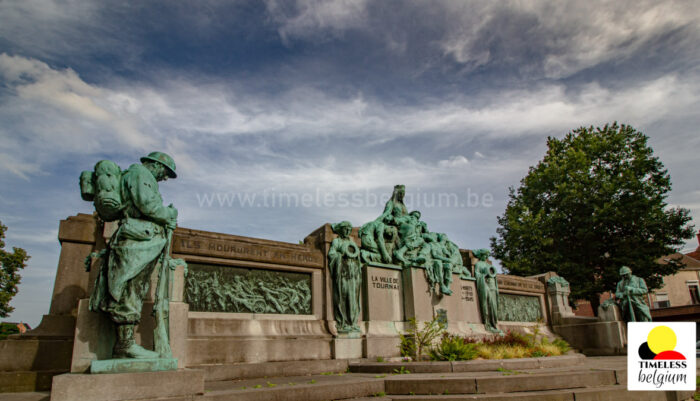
column 385, row 347
column 215, row 338
column 382, row 339
column 133, row 365
column 24, row 354
column 601, row 338
column 16, row 382
column 346, row 347
column 127, row 386
column 95, row 334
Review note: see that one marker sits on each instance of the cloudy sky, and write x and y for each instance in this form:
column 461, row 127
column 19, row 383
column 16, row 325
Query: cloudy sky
column 283, row 115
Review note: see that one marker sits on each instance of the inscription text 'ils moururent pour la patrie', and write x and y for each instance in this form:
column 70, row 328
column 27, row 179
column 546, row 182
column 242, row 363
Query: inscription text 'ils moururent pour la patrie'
column 232, row 249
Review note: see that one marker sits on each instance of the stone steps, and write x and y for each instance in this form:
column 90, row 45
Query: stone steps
column 507, row 383
column 469, row 366
column 590, row 380
column 27, row 380
column 220, row 372
column 603, row 393
column 302, row 388
column 30, row 396
column 593, row 379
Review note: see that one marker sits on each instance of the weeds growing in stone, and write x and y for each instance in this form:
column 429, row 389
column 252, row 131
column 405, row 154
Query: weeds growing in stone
column 455, row 348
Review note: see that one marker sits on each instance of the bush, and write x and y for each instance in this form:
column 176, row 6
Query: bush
column 562, row 345
column 545, row 349
column 510, row 338
column 416, row 340
column 6, row 329
column 502, row 351
column 453, row 348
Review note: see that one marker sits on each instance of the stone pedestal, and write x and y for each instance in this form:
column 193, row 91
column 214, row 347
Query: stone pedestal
column 559, row 308
column 610, row 314
column 46, row 350
column 184, row 384
column 469, row 301
column 382, row 293
column 95, row 335
column 133, row 365
column 382, row 309
column 347, row 346
column 420, row 303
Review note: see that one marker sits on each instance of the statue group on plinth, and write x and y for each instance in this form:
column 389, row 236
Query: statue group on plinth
column 400, row 238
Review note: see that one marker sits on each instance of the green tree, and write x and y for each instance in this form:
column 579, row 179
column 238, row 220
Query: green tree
column 596, row 202
column 10, row 264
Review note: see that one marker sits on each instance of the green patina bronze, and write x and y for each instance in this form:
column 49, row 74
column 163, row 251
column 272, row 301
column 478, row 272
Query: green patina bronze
column 487, row 289
column 554, row 280
column 215, row 288
column 629, row 294
column 400, row 238
column 133, row 365
column 345, row 269
column 519, row 308
column 140, row 244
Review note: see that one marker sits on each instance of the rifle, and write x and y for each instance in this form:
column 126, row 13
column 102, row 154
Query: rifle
column 161, row 308
column 631, row 309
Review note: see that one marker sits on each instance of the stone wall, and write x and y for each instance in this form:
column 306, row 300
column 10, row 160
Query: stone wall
column 255, row 300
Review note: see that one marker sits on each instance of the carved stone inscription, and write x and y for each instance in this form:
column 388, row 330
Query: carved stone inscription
column 468, row 293
column 383, row 282
column 382, row 294
column 519, row 308
column 506, row 282
column 233, row 249
column 214, row 288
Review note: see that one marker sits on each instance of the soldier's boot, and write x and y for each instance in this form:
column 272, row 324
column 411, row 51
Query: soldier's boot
column 126, row 347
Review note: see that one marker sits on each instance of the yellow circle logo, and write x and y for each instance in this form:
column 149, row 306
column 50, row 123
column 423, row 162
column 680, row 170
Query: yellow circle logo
column 660, row 339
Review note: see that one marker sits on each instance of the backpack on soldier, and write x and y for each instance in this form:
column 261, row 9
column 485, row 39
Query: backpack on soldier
column 103, row 187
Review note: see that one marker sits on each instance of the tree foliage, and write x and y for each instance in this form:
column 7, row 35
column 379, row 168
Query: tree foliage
column 596, row 202
column 10, row 264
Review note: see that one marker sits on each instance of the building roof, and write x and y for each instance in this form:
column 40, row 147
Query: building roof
column 696, row 253
column 690, row 263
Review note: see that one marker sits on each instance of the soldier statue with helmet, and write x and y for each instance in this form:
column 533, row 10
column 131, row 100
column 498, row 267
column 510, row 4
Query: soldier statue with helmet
column 629, row 293
column 140, row 244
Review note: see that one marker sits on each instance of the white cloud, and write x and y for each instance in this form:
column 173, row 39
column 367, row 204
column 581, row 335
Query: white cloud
column 36, row 82
column 573, row 35
column 310, row 17
column 304, row 112
column 62, row 112
column 454, row 161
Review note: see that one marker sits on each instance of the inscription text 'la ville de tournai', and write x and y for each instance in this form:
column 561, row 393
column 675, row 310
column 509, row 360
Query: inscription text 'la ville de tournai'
column 382, row 282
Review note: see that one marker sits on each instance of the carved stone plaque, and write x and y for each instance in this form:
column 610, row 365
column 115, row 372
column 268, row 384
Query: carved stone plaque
column 519, row 308
column 215, row 288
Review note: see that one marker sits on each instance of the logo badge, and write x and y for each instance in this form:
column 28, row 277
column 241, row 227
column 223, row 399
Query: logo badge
column 660, row 356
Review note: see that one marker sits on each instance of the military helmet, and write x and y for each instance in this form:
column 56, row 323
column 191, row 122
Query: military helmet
column 625, row 270
column 163, row 159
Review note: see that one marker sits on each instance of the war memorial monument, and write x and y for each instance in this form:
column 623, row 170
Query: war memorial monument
column 144, row 309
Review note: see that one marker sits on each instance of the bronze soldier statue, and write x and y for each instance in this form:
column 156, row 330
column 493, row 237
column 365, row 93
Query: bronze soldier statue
column 140, row 243
column 630, row 293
